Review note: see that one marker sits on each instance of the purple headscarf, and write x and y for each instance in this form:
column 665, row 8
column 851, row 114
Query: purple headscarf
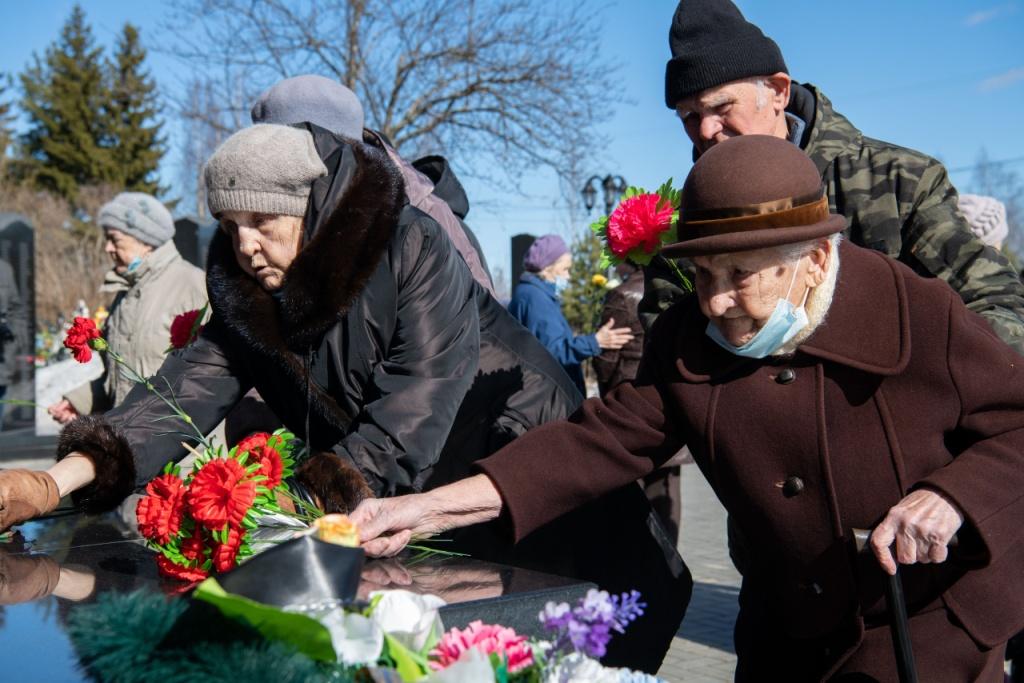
column 544, row 251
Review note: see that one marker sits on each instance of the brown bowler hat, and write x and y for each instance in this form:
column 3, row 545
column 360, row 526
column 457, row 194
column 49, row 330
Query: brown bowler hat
column 751, row 192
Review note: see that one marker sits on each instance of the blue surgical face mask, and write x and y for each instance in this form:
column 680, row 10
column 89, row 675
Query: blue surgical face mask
column 561, row 283
column 783, row 324
column 135, row 263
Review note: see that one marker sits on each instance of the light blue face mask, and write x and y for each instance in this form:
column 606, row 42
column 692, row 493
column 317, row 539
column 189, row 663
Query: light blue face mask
column 783, row 324
column 561, row 284
column 135, row 263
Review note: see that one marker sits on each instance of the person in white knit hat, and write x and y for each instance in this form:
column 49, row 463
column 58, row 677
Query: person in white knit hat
column 987, row 218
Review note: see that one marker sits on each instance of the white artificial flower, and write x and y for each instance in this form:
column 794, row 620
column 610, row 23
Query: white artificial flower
column 356, row 639
column 473, row 667
column 407, row 617
column 578, row 668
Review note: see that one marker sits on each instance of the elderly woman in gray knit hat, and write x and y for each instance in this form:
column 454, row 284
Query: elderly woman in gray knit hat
column 151, row 283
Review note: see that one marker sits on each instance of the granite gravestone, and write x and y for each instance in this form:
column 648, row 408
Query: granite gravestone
column 17, row 319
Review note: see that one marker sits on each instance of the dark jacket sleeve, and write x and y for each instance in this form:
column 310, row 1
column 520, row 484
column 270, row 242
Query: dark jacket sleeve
column 416, row 391
column 986, row 480
column 604, row 445
column 615, row 366
column 545, row 321
column 661, row 291
column 205, row 384
column 936, row 235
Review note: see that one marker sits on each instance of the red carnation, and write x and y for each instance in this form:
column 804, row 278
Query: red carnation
column 159, row 513
column 271, row 466
column 638, row 222
column 194, row 547
column 79, row 336
column 176, row 571
column 221, row 493
column 225, row 554
column 185, row 328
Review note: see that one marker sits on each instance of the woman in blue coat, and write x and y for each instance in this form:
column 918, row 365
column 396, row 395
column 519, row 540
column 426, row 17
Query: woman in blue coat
column 536, row 304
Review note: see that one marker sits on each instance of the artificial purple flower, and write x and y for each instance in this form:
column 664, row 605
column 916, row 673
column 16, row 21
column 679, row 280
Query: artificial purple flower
column 627, row 608
column 555, row 617
column 588, row 627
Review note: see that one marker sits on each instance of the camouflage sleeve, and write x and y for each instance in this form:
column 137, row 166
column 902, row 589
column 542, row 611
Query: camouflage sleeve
column 661, row 290
column 938, row 238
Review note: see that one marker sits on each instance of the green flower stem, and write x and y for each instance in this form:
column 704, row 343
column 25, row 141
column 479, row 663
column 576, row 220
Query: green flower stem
column 683, row 280
column 310, row 514
column 134, row 376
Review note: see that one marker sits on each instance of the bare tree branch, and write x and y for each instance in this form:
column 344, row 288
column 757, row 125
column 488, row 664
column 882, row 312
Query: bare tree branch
column 503, row 84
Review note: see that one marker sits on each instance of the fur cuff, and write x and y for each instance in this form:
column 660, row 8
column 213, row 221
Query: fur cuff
column 111, row 457
column 337, row 485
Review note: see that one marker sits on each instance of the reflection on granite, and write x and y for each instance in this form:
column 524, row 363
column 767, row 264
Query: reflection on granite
column 50, row 567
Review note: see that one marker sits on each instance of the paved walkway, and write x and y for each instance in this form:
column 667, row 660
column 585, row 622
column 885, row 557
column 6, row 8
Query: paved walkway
column 703, row 651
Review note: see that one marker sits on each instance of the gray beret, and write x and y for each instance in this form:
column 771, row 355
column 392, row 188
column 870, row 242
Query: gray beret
column 263, row 169
column 311, row 98
column 140, row 215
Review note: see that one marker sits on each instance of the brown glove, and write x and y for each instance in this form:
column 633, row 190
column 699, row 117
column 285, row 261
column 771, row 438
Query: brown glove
column 26, row 577
column 25, row 494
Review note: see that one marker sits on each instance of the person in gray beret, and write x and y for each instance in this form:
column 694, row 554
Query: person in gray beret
column 151, row 284
column 430, row 183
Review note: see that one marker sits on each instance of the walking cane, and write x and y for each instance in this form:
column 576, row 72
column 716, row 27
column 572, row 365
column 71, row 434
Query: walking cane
column 896, row 606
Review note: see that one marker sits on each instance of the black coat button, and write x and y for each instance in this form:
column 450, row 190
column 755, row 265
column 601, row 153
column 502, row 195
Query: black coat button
column 786, row 376
column 792, row 486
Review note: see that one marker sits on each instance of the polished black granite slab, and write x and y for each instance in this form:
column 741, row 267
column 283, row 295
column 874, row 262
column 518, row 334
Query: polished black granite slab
column 51, row 567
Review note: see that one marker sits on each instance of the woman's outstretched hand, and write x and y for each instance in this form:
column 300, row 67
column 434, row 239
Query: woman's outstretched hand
column 25, row 494
column 386, row 525
column 613, row 338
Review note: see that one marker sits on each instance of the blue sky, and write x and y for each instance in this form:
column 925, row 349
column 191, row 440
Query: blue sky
column 943, row 77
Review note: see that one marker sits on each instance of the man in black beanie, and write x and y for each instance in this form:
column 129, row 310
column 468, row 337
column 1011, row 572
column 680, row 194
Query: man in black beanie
column 726, row 78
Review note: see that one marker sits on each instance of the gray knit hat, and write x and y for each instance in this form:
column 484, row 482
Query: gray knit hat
column 263, row 169
column 311, row 98
column 140, row 215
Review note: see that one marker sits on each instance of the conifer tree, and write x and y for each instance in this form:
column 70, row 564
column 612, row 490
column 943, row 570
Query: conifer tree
column 583, row 298
column 6, row 122
column 64, row 98
column 133, row 129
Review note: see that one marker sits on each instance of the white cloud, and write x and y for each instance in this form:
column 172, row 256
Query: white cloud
column 986, row 15
column 1003, row 80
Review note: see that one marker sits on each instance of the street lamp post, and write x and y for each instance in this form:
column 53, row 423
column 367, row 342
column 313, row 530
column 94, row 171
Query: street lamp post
column 613, row 186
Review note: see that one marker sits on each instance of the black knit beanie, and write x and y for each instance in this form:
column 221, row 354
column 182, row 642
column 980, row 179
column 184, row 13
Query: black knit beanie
column 713, row 44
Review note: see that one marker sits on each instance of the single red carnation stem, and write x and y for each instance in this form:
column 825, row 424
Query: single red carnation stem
column 684, row 281
column 171, row 403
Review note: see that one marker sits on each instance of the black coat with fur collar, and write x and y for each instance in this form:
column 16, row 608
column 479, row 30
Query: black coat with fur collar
column 379, row 340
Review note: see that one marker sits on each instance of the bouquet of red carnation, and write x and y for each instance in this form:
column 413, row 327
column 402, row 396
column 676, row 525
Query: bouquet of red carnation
column 639, row 226
column 203, row 522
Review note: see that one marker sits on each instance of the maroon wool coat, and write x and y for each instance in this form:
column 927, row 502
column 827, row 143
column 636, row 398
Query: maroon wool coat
column 901, row 387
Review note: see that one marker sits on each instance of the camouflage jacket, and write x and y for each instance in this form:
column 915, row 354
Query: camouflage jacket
column 897, row 201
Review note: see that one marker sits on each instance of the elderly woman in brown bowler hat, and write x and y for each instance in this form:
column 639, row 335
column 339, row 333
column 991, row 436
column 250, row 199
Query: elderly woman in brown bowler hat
column 833, row 389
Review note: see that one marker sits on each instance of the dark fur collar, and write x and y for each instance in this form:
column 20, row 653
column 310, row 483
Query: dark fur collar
column 347, row 243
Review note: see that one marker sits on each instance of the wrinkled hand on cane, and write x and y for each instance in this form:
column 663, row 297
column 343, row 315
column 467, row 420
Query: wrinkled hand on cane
column 896, row 607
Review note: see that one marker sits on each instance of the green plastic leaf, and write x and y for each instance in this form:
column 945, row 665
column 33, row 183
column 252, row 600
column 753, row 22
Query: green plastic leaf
column 308, row 635
column 409, row 665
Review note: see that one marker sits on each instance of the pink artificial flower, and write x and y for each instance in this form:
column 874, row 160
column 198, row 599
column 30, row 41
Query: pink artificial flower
column 489, row 639
column 638, row 222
